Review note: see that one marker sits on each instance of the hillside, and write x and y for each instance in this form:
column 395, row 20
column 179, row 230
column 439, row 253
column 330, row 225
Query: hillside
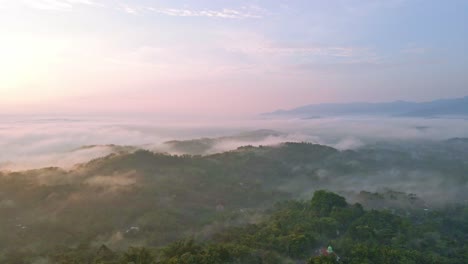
column 325, row 229
column 204, row 146
column 149, row 199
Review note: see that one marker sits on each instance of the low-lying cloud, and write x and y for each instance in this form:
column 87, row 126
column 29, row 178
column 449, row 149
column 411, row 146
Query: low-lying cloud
column 114, row 181
column 29, row 143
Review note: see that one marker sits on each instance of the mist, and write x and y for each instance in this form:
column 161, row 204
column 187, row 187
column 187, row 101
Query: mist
column 35, row 142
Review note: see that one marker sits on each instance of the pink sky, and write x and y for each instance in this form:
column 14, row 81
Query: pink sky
column 229, row 58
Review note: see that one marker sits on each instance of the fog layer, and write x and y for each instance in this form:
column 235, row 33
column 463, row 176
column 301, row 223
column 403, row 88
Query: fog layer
column 34, row 142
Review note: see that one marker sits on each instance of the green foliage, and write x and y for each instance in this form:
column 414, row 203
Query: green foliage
column 188, row 252
column 378, row 227
column 297, row 230
column 323, row 260
column 138, row 256
column 214, row 198
column 325, row 202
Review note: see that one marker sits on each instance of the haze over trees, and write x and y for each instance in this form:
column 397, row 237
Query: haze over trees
column 148, row 132
column 250, row 205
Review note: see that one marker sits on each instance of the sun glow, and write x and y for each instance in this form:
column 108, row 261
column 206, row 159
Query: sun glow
column 26, row 61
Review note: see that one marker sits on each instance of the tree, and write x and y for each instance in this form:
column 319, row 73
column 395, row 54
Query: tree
column 135, row 255
column 324, row 202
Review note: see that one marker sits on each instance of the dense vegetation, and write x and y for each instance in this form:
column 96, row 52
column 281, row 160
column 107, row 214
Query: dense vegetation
column 298, row 232
column 145, row 207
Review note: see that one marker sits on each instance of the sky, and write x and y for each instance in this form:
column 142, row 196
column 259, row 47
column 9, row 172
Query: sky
column 226, row 57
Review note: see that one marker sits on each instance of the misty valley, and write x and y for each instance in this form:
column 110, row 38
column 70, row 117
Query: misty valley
column 291, row 202
column 233, row 132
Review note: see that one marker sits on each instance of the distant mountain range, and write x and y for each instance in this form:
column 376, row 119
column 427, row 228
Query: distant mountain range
column 437, row 108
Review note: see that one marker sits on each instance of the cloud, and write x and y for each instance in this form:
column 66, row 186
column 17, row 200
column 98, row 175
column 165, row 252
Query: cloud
column 348, row 143
column 259, row 54
column 34, row 143
column 229, row 13
column 113, row 181
column 57, row 5
column 224, row 13
column 306, row 50
column 64, row 159
column 262, row 49
column 128, row 9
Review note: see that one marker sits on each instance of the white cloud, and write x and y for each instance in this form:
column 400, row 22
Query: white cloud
column 113, row 181
column 261, row 48
column 224, row 13
column 57, row 5
column 32, row 143
column 128, row 9
column 334, row 51
column 243, row 12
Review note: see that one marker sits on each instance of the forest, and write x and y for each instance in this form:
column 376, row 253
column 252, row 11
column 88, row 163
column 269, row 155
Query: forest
column 291, row 203
column 324, row 229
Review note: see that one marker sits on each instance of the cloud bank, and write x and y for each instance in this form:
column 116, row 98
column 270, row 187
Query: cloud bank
column 42, row 142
